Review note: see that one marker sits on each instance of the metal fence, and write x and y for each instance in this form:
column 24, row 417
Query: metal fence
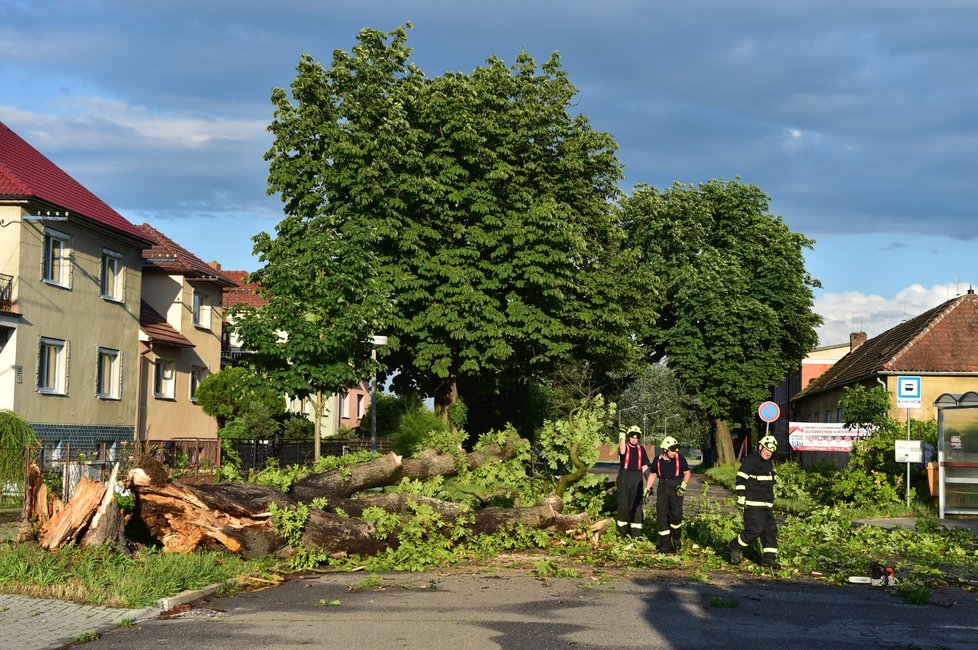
column 255, row 454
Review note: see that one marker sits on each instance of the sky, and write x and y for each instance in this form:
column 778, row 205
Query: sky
column 857, row 117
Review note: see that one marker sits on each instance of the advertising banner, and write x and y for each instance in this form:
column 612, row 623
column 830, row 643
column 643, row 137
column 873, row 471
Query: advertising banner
column 824, row 436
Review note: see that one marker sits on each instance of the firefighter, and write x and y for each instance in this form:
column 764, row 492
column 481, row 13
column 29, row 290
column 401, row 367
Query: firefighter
column 671, row 470
column 755, row 494
column 633, row 463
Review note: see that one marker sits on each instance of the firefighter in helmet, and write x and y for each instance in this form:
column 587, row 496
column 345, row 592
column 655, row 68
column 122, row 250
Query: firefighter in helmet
column 755, row 494
column 633, row 463
column 671, row 470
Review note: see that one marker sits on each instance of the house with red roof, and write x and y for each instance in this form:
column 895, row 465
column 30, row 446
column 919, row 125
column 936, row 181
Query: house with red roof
column 940, row 346
column 181, row 324
column 70, row 284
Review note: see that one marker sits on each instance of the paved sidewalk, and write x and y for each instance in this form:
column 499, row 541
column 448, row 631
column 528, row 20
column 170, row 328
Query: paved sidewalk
column 41, row 624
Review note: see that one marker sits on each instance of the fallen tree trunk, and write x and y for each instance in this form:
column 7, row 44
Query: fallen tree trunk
column 237, row 516
column 390, row 469
column 68, row 525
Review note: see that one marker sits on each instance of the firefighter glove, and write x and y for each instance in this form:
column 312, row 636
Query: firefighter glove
column 621, row 437
column 681, row 490
column 741, row 501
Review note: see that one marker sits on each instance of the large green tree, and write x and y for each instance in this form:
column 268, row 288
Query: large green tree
column 737, row 309
column 487, row 203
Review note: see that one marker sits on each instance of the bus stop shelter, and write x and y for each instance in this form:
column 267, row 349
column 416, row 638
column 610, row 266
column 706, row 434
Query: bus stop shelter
column 957, row 453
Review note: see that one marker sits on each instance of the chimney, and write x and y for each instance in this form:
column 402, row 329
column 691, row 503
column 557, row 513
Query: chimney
column 215, row 265
column 856, row 339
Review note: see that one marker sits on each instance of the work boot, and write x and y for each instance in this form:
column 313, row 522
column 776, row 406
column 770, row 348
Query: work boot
column 677, row 539
column 736, row 555
column 771, row 561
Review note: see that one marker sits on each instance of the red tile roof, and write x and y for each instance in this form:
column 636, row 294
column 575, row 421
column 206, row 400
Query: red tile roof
column 157, row 329
column 26, row 173
column 166, row 256
column 246, row 293
column 942, row 339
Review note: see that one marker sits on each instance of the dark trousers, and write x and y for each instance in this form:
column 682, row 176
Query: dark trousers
column 669, row 515
column 759, row 522
column 630, row 486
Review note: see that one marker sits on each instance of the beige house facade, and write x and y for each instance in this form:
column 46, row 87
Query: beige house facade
column 180, row 339
column 70, row 275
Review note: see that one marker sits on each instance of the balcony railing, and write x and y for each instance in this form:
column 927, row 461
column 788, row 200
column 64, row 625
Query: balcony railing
column 6, row 292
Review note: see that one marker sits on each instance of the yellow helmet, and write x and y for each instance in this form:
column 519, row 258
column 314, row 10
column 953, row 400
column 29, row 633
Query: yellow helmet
column 770, row 443
column 634, row 431
column 670, row 443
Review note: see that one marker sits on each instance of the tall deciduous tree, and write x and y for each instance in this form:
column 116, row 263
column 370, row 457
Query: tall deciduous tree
column 487, row 204
column 738, row 301
column 312, row 337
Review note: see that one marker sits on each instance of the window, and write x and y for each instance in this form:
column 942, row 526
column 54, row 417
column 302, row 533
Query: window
column 163, row 379
column 52, row 366
column 360, row 406
column 202, row 313
column 344, row 405
column 57, row 259
column 111, row 275
column 196, row 374
column 107, row 374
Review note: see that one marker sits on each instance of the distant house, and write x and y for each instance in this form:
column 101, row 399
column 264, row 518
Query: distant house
column 343, row 410
column 70, row 276
column 181, row 323
column 940, row 346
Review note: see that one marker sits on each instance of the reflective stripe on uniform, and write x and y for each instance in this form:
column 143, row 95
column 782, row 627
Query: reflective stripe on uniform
column 759, row 504
column 763, row 477
column 634, row 525
column 741, row 542
column 770, row 549
column 743, row 475
column 663, row 533
column 675, row 525
column 740, row 488
column 621, row 523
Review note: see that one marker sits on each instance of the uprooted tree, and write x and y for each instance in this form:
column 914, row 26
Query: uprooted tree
column 340, row 511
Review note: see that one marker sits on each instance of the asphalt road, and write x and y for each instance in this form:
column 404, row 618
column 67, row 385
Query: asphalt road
column 436, row 611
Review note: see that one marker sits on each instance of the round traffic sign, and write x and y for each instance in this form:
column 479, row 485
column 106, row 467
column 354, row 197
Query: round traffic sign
column 769, row 411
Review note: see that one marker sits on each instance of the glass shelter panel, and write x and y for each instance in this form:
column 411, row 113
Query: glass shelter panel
column 958, row 456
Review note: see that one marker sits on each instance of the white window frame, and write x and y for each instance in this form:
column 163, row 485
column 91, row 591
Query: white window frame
column 201, row 311
column 114, row 359
column 56, row 365
column 164, row 378
column 60, row 276
column 116, row 292
column 344, row 405
column 361, row 405
column 197, row 374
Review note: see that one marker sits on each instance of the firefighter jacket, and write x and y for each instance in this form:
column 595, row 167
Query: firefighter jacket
column 755, row 481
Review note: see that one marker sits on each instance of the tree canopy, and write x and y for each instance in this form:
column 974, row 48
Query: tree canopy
column 737, row 302
column 485, row 205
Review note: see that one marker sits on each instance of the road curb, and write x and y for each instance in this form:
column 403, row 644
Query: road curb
column 188, row 596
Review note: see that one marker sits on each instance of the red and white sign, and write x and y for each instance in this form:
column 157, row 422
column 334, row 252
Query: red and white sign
column 769, row 411
column 824, row 436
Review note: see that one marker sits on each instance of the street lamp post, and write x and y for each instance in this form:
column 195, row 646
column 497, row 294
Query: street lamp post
column 645, row 426
column 665, row 419
column 620, row 411
column 375, row 342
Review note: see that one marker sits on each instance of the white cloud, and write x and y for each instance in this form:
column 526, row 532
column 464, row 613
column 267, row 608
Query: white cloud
column 853, row 311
